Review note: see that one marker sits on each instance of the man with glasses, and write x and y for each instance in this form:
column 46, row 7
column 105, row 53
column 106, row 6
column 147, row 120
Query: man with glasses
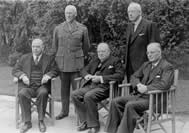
column 155, row 74
column 97, row 74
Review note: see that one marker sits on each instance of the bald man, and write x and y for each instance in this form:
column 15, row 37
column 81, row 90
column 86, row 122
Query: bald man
column 34, row 71
column 139, row 33
column 70, row 47
column 95, row 88
column 155, row 74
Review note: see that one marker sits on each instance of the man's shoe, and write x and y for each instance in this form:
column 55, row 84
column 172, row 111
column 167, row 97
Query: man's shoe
column 94, row 130
column 42, row 127
column 60, row 116
column 24, row 128
column 82, row 126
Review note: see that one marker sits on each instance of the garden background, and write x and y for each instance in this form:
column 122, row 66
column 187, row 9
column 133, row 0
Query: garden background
column 106, row 20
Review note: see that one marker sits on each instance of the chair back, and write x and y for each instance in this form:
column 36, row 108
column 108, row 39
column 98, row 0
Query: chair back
column 163, row 102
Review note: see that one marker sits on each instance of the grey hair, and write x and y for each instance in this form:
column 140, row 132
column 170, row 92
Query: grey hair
column 136, row 6
column 71, row 7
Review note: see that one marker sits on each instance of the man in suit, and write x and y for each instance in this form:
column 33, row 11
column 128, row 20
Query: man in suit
column 70, row 46
column 155, row 74
column 139, row 33
column 34, row 71
column 95, row 88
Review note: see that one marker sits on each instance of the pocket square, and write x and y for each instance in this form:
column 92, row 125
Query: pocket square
column 141, row 34
column 110, row 67
column 157, row 76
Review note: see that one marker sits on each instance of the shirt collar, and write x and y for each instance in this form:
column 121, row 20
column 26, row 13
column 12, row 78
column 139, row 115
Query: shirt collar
column 156, row 63
column 138, row 21
column 39, row 57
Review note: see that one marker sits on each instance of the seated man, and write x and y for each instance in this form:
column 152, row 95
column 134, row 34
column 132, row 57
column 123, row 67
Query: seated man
column 34, row 71
column 95, row 88
column 156, row 74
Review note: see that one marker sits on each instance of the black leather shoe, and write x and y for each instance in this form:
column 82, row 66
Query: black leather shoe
column 24, row 128
column 82, row 126
column 94, row 130
column 60, row 116
column 42, row 127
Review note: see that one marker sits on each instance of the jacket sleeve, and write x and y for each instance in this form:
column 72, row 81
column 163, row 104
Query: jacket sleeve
column 165, row 81
column 54, row 47
column 86, row 69
column 53, row 68
column 137, row 76
column 86, row 42
column 118, row 75
column 17, row 71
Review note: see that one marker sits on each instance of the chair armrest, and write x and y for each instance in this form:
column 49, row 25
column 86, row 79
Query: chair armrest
column 125, row 85
column 112, row 82
column 173, row 88
column 78, row 78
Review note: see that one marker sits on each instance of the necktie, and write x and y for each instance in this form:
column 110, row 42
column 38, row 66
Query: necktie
column 134, row 27
column 36, row 60
column 153, row 66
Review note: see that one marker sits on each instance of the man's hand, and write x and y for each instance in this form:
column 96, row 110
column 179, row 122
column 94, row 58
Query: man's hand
column 25, row 80
column 141, row 88
column 45, row 79
column 88, row 77
column 96, row 79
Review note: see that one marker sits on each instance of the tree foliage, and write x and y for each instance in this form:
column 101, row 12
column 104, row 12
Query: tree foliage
column 106, row 20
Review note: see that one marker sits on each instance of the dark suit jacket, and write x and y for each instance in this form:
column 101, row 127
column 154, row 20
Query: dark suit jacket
column 111, row 70
column 159, row 78
column 70, row 47
column 23, row 66
column 136, row 43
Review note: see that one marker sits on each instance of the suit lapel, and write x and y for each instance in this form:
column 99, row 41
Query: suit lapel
column 44, row 62
column 95, row 65
column 28, row 63
column 74, row 27
column 154, row 72
column 65, row 27
column 138, row 30
column 104, row 64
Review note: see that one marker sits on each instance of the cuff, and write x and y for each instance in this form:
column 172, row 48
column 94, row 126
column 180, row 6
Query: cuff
column 101, row 80
column 22, row 76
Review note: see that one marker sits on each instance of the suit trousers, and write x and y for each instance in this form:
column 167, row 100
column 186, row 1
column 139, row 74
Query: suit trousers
column 124, row 111
column 67, row 79
column 25, row 95
column 85, row 100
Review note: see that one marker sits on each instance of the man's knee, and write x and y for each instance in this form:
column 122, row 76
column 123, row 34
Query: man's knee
column 24, row 92
column 130, row 105
column 88, row 97
column 43, row 92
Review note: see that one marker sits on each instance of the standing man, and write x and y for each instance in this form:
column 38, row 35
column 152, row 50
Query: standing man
column 70, row 46
column 155, row 74
column 140, row 32
column 97, row 74
column 34, row 71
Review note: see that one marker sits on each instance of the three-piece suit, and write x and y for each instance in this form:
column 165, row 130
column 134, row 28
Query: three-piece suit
column 26, row 65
